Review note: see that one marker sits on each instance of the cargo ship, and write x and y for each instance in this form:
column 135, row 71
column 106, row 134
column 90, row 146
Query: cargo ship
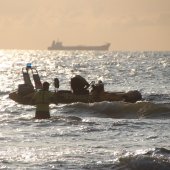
column 59, row 46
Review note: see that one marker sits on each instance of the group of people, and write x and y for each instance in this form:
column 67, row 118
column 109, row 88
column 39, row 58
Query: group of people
column 79, row 86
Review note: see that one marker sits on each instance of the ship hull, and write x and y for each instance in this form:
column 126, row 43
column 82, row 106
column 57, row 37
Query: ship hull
column 90, row 48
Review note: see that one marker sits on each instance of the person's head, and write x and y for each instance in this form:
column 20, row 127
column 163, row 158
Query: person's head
column 46, row 86
column 100, row 82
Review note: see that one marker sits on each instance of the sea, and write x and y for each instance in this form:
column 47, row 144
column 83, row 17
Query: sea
column 88, row 136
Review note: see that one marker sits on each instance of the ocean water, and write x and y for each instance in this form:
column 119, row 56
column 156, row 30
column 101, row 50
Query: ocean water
column 105, row 135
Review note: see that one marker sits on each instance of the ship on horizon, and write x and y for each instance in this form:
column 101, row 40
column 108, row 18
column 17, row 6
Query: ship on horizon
column 59, row 46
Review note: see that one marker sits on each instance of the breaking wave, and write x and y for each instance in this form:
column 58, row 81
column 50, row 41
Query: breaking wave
column 156, row 159
column 125, row 110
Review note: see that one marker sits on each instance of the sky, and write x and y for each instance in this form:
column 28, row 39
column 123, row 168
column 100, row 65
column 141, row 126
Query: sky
column 132, row 25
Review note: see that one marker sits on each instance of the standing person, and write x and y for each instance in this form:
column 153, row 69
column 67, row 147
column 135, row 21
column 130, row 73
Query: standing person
column 42, row 99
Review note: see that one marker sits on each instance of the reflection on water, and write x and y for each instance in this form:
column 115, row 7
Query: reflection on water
column 87, row 136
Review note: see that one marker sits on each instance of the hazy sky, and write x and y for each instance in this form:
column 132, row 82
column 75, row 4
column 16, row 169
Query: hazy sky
column 126, row 24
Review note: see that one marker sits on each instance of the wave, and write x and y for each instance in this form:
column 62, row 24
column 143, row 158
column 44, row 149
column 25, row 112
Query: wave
column 157, row 98
column 124, row 110
column 4, row 92
column 156, row 159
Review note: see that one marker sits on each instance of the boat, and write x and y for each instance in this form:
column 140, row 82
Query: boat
column 59, row 46
column 26, row 91
column 67, row 97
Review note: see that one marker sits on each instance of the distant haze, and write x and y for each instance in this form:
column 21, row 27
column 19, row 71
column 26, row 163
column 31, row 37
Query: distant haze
column 126, row 24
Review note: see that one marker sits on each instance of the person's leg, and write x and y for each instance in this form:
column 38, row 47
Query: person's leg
column 42, row 115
